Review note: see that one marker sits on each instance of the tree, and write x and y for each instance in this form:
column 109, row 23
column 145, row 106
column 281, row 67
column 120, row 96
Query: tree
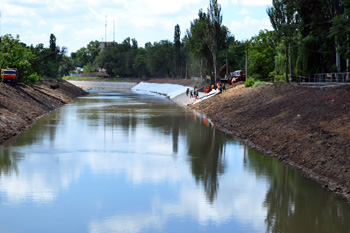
column 284, row 19
column 197, row 46
column 177, row 48
column 213, row 30
column 160, row 58
column 66, row 66
column 262, row 54
column 340, row 31
column 140, row 64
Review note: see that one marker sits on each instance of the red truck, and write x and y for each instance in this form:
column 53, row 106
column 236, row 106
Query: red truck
column 9, row 75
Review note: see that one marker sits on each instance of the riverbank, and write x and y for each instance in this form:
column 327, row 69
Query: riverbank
column 22, row 105
column 304, row 126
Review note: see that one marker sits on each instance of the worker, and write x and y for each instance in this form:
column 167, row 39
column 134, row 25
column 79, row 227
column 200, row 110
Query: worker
column 223, row 87
column 187, row 91
column 191, row 94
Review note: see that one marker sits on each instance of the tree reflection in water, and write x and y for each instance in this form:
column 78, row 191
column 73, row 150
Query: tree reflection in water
column 290, row 208
column 205, row 154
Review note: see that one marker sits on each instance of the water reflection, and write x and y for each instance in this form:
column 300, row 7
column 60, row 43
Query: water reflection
column 121, row 162
column 296, row 204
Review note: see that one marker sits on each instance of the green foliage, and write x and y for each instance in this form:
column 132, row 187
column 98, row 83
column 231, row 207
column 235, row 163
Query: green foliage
column 262, row 53
column 258, row 83
column 33, row 78
column 88, row 68
column 249, row 82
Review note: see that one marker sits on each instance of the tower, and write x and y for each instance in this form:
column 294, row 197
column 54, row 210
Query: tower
column 106, row 29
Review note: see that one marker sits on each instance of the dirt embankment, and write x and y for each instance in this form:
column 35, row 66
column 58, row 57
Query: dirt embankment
column 21, row 105
column 305, row 126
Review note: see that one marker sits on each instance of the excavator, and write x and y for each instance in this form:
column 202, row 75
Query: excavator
column 12, row 74
column 237, row 75
column 226, row 79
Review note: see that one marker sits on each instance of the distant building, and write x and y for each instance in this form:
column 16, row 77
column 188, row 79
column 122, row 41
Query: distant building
column 103, row 45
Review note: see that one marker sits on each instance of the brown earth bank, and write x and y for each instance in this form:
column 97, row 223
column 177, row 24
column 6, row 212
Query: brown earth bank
column 307, row 127
column 22, row 105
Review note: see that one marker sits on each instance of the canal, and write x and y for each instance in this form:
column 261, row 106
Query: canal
column 130, row 162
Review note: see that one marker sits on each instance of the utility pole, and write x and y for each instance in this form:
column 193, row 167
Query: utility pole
column 246, row 61
column 106, row 30
column 226, row 62
column 113, row 30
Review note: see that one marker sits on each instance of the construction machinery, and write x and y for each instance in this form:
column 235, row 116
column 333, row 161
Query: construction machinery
column 233, row 77
column 238, row 75
column 9, row 75
column 226, row 79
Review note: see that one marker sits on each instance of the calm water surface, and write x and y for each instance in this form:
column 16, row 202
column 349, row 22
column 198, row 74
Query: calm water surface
column 128, row 162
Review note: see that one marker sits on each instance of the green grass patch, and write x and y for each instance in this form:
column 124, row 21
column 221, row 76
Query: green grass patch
column 81, row 78
column 258, row 83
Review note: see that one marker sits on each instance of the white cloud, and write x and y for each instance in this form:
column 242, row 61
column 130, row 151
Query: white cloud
column 42, row 22
column 255, row 2
column 244, row 11
column 249, row 27
column 59, row 29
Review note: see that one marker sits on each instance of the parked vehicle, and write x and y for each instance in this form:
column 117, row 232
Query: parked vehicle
column 9, row 75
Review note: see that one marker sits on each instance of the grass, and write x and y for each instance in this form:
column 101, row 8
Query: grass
column 101, row 79
column 81, row 78
column 258, row 83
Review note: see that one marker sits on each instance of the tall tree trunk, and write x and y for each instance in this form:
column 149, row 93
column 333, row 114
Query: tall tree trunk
column 246, row 62
column 287, row 62
column 214, row 64
column 290, row 63
column 226, row 63
column 200, row 69
column 337, row 56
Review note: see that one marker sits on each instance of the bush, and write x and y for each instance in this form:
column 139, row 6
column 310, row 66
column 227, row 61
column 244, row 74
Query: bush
column 31, row 79
column 249, row 82
column 258, row 83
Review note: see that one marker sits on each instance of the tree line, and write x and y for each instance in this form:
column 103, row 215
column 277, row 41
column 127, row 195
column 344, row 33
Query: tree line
column 309, row 36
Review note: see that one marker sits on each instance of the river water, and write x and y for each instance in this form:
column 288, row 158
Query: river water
column 129, row 162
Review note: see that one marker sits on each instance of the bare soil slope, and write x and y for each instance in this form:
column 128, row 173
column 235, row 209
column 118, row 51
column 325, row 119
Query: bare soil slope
column 21, row 105
column 307, row 127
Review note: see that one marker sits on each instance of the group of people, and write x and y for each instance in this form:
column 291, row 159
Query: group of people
column 219, row 86
column 194, row 93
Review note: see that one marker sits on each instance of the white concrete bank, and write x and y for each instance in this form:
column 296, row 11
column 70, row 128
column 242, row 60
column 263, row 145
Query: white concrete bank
column 89, row 85
column 175, row 92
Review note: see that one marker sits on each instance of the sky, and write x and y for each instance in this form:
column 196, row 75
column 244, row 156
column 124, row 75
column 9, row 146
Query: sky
column 77, row 22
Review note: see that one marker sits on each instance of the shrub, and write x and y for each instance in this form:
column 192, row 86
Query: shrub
column 258, row 83
column 31, row 79
column 249, row 82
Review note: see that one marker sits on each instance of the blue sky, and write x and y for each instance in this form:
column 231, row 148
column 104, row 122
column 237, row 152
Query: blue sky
column 77, row 22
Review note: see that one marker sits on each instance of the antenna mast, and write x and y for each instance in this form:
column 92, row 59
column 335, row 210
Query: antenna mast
column 113, row 30
column 106, row 29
